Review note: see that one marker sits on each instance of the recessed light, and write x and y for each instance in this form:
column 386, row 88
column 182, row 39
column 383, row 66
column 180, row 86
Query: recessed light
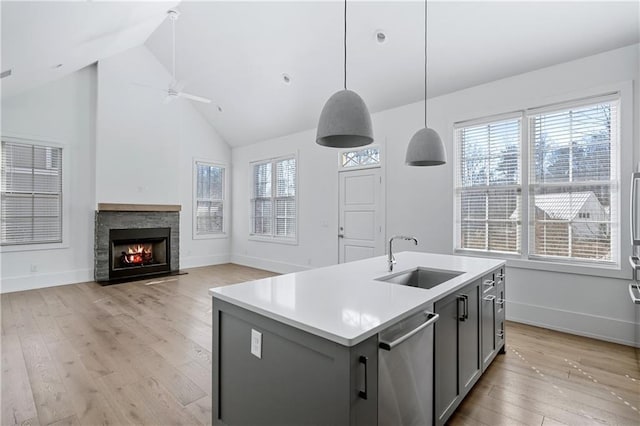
column 381, row 36
column 286, row 78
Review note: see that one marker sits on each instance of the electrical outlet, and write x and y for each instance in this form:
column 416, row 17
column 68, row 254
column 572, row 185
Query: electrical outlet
column 34, row 268
column 256, row 343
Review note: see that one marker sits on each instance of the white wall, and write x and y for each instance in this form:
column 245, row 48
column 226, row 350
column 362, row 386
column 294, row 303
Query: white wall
column 145, row 149
column 420, row 200
column 121, row 145
column 61, row 112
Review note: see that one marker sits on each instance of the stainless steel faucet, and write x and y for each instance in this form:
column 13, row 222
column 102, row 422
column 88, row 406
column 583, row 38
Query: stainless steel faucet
column 392, row 259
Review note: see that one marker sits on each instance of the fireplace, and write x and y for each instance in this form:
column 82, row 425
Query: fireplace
column 136, row 241
column 135, row 252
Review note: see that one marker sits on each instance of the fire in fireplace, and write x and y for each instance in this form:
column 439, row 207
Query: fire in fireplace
column 139, row 252
column 137, row 255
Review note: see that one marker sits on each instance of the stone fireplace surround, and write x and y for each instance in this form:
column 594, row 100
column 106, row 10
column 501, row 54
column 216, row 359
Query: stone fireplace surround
column 133, row 216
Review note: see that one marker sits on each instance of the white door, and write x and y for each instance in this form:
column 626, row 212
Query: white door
column 361, row 224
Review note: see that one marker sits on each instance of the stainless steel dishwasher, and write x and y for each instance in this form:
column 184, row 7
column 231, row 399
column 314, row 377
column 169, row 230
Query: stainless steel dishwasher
column 405, row 371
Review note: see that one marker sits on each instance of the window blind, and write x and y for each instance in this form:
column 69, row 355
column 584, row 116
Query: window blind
column 488, row 186
column 209, row 209
column 274, row 206
column 573, row 182
column 285, row 199
column 31, row 190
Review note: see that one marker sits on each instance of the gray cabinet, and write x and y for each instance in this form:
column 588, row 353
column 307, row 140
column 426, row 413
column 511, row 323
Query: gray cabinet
column 457, row 349
column 493, row 316
column 500, row 309
column 299, row 379
column 489, row 323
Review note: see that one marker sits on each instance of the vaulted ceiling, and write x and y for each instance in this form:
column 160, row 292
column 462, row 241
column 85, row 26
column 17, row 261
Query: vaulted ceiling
column 237, row 52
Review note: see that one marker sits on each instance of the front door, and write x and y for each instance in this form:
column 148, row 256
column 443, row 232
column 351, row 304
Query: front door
column 361, row 224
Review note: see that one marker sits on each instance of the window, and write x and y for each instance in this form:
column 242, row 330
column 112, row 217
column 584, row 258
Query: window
column 569, row 195
column 360, row 158
column 273, row 204
column 31, row 211
column 209, row 199
column 488, row 186
column 573, row 182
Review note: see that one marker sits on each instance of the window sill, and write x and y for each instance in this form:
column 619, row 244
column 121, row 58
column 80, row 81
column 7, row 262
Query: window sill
column 516, row 261
column 287, row 241
column 219, row 236
column 32, row 247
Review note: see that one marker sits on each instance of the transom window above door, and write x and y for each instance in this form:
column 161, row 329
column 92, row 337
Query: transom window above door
column 366, row 157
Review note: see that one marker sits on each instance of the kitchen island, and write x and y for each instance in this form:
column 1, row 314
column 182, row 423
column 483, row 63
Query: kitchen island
column 303, row 347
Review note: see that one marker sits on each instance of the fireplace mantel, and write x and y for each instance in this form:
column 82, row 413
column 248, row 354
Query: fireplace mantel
column 118, row 207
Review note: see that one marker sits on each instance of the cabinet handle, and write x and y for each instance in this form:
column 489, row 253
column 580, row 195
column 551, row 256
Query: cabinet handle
column 461, row 298
column 489, row 283
column 500, row 276
column 500, row 302
column 500, row 334
column 363, row 360
column 635, row 286
column 465, row 307
column 489, row 298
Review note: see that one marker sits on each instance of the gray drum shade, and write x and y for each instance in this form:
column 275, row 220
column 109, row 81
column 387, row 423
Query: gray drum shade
column 344, row 122
column 426, row 149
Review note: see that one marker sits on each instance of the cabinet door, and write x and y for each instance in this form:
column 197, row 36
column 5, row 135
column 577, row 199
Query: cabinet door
column 469, row 363
column 500, row 316
column 446, row 388
column 488, row 328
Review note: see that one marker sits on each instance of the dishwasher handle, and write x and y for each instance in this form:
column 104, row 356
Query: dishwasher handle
column 431, row 318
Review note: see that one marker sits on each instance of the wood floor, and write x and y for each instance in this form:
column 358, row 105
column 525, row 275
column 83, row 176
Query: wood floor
column 139, row 353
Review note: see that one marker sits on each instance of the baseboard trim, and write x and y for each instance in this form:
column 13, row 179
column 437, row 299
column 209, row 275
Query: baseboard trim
column 593, row 326
column 35, row 281
column 267, row 265
column 198, row 261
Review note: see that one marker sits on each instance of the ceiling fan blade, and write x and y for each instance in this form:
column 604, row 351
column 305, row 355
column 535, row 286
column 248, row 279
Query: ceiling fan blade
column 194, row 97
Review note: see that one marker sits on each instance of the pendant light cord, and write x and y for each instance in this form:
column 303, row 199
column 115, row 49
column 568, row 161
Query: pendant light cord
column 345, row 44
column 173, row 50
column 425, row 64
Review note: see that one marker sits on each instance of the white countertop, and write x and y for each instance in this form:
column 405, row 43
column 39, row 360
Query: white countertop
column 344, row 303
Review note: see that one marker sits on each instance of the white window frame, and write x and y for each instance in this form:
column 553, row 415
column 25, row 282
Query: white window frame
column 616, row 195
column 225, row 203
column 457, row 223
column 617, row 268
column 274, row 238
column 66, row 194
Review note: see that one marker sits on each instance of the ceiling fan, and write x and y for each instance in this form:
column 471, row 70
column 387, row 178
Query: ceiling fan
column 175, row 87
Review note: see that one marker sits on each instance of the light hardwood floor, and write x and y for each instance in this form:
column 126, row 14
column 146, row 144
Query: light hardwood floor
column 139, row 353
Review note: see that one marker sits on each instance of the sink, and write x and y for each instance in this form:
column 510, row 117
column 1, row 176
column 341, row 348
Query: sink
column 420, row 277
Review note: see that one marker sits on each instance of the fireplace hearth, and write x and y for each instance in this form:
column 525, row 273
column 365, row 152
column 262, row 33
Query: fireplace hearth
column 136, row 241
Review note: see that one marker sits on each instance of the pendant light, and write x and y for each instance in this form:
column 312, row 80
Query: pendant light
column 425, row 147
column 345, row 121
